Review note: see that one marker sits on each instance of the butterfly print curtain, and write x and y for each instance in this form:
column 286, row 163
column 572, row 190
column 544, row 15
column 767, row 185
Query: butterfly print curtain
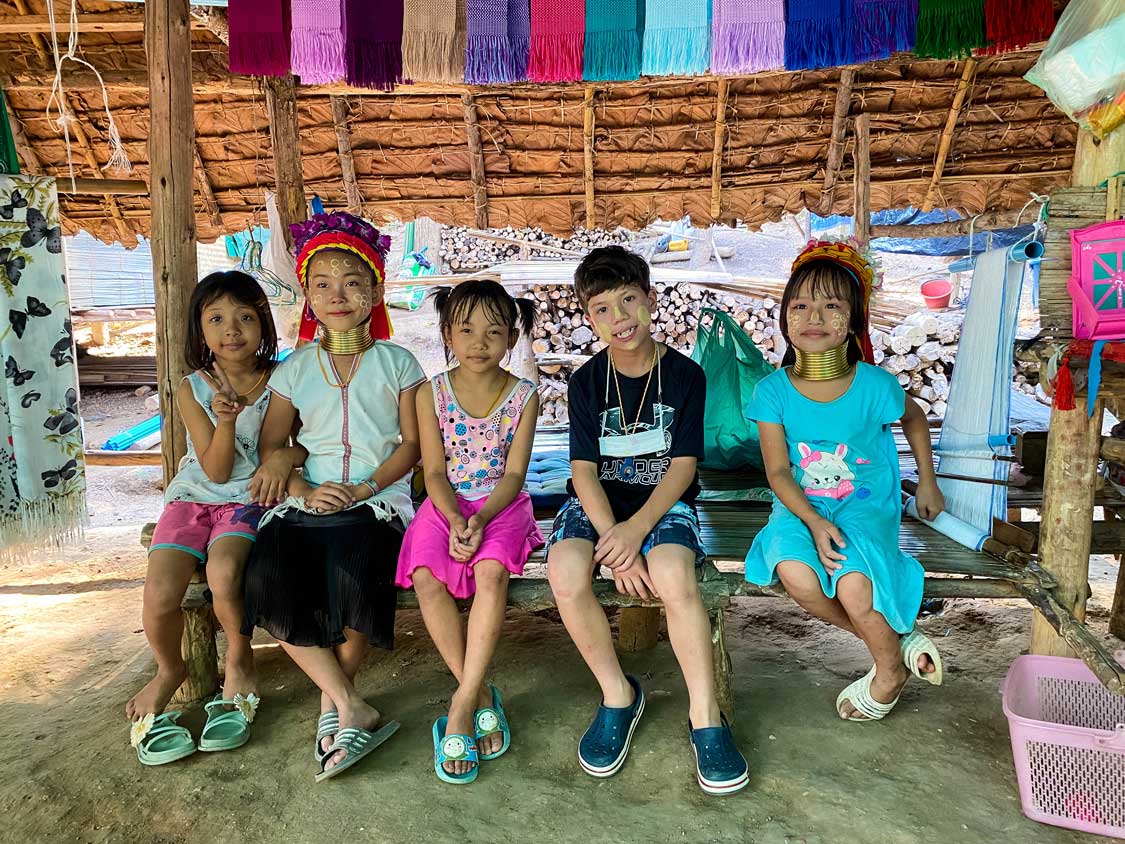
column 42, row 481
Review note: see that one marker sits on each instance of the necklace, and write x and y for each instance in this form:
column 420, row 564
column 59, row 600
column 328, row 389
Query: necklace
column 822, row 366
column 343, row 382
column 245, row 399
column 621, row 400
column 351, row 342
column 495, row 400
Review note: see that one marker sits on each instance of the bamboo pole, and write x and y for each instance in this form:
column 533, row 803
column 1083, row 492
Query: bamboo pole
column 836, row 141
column 946, row 140
column 37, row 40
column 210, row 204
column 717, row 151
column 476, row 163
column 862, row 179
column 285, row 142
column 103, row 187
column 104, row 22
column 588, row 154
column 344, row 152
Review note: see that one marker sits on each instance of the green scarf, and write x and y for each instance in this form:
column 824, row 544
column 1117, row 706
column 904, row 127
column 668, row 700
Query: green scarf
column 9, row 161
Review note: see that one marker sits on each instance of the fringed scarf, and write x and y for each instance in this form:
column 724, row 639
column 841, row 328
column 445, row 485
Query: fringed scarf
column 613, row 39
column 490, row 55
column 42, row 464
column 258, row 37
column 519, row 37
column 949, row 29
column 9, row 160
column 677, row 37
column 882, row 27
column 317, row 52
column 433, row 41
column 558, row 29
column 373, row 43
column 817, row 34
column 1013, row 24
column 747, row 35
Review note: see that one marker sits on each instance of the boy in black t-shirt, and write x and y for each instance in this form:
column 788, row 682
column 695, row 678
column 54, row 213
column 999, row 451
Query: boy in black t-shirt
column 636, row 433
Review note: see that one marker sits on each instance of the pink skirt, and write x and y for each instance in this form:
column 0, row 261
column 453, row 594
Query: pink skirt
column 509, row 539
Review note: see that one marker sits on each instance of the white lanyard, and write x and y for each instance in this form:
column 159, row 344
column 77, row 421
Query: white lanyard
column 628, row 444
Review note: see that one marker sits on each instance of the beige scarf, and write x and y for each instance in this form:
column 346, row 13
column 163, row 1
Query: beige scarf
column 433, row 41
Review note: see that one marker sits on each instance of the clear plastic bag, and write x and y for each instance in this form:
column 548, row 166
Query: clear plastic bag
column 1082, row 68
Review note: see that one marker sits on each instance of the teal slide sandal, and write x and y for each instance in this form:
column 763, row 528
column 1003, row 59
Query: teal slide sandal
column 160, row 740
column 454, row 748
column 227, row 729
column 492, row 720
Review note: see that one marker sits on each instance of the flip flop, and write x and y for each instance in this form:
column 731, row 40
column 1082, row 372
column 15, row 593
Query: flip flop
column 162, row 740
column 859, row 695
column 358, row 743
column 328, row 724
column 226, row 729
column 491, row 720
column 454, row 747
column 915, row 644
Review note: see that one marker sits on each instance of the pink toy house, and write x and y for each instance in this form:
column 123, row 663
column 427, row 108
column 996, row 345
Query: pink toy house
column 1097, row 281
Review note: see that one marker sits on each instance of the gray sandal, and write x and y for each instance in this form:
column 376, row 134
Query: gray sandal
column 328, row 724
column 357, row 743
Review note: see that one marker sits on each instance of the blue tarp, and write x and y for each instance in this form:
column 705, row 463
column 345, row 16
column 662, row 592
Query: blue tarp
column 928, row 245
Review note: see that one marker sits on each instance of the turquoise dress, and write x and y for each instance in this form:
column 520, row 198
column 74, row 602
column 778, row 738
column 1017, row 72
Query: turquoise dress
column 842, row 454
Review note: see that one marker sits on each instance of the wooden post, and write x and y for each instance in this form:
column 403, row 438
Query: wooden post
column 170, row 144
column 1117, row 612
column 1073, row 442
column 862, row 179
column 198, row 648
column 476, row 163
column 285, row 140
column 720, row 664
column 344, row 152
column 836, row 141
column 637, row 628
column 946, row 140
column 588, row 154
column 717, row 150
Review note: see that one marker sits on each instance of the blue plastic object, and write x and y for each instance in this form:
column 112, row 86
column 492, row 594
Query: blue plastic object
column 126, row 439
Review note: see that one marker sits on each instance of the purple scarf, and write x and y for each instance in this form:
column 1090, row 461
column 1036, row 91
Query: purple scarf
column 882, row 27
column 498, row 41
column 747, row 35
column 259, row 37
column 373, row 43
column 317, row 36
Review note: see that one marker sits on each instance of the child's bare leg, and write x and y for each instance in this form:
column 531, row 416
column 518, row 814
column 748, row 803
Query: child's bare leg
column 672, row 568
column 226, row 559
column 350, row 656
column 169, row 572
column 803, row 586
column 442, row 619
column 569, row 569
column 854, row 592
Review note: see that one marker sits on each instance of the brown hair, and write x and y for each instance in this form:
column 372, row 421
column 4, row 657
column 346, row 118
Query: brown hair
column 608, row 268
column 244, row 290
column 459, row 302
column 825, row 279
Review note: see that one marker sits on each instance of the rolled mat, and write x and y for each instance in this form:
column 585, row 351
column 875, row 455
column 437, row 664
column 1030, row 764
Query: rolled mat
column 747, row 35
column 677, row 37
column 373, row 43
column 949, row 29
column 817, row 34
column 882, row 27
column 558, row 30
column 317, row 41
column 612, row 48
column 258, row 37
column 1013, row 24
column 433, row 41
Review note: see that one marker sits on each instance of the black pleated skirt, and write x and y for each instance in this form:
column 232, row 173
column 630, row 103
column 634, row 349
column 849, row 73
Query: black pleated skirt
column 311, row 576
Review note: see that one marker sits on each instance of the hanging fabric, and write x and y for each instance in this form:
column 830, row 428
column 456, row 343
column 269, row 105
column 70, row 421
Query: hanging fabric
column 258, row 37
column 42, row 481
column 949, row 29
column 373, row 43
column 9, row 160
column 488, row 49
column 1013, row 24
column 317, row 41
column 519, row 37
column 677, row 39
column 433, row 41
column 882, row 27
column 747, row 35
column 613, row 40
column 558, row 29
column 817, row 34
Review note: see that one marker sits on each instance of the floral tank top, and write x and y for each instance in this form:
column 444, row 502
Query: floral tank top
column 476, row 450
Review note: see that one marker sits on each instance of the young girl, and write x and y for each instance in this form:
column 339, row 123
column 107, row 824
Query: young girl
column 208, row 515
column 825, row 424
column 476, row 423
column 322, row 579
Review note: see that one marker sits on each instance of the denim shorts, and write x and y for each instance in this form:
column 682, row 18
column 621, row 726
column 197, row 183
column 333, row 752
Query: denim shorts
column 679, row 526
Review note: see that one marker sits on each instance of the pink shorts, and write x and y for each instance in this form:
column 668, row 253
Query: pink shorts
column 192, row 527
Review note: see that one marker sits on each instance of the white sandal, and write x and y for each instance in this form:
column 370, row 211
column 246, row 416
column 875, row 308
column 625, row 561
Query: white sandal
column 915, row 644
column 859, row 695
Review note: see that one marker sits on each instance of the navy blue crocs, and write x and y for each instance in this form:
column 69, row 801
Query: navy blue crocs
column 603, row 748
column 719, row 767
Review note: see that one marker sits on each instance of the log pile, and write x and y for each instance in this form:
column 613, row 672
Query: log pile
column 462, row 252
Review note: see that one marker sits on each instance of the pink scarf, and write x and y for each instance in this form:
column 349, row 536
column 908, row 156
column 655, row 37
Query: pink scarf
column 558, row 29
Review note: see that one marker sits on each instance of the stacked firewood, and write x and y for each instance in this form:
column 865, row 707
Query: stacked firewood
column 462, row 252
column 919, row 351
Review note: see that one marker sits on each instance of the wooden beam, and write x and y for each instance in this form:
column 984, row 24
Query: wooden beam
column 210, row 204
column 588, row 154
column 862, row 179
column 285, row 141
column 946, row 140
column 106, row 22
column 102, row 187
column 24, row 148
column 98, row 457
column 174, row 271
column 37, row 41
column 83, row 140
column 984, row 222
column 344, row 151
column 717, row 150
column 836, row 140
column 476, row 163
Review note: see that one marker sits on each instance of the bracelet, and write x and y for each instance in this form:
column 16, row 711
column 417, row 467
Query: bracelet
column 371, row 485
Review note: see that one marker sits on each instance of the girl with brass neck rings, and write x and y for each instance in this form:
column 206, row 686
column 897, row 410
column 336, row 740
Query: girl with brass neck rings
column 824, row 420
column 322, row 578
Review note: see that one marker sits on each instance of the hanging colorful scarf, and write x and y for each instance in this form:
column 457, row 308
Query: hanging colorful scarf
column 949, row 29
column 373, row 43
column 42, row 482
column 558, row 29
column 677, row 37
column 433, row 41
column 317, row 52
column 519, row 37
column 882, row 27
column 9, row 160
column 817, row 34
column 1013, row 24
column 747, row 35
column 613, row 39
column 258, row 37
column 490, row 56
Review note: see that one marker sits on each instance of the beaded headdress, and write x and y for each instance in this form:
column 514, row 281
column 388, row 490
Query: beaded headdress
column 862, row 269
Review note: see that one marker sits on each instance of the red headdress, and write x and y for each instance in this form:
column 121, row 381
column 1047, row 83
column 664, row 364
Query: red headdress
column 862, row 270
column 340, row 230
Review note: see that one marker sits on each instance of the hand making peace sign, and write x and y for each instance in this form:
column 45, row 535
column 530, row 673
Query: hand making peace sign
column 226, row 404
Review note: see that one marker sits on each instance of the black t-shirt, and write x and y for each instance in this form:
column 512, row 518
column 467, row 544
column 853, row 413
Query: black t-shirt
column 628, row 481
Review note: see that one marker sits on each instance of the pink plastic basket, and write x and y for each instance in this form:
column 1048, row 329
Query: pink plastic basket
column 1068, row 742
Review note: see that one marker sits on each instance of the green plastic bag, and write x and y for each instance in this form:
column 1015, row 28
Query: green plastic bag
column 733, row 366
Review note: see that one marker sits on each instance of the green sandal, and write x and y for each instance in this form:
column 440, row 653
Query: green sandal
column 160, row 740
column 227, row 729
column 492, row 720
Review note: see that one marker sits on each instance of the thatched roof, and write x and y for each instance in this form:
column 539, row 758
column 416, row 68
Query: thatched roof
column 652, row 145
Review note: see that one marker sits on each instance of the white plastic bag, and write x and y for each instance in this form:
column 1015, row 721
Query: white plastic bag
column 277, row 259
